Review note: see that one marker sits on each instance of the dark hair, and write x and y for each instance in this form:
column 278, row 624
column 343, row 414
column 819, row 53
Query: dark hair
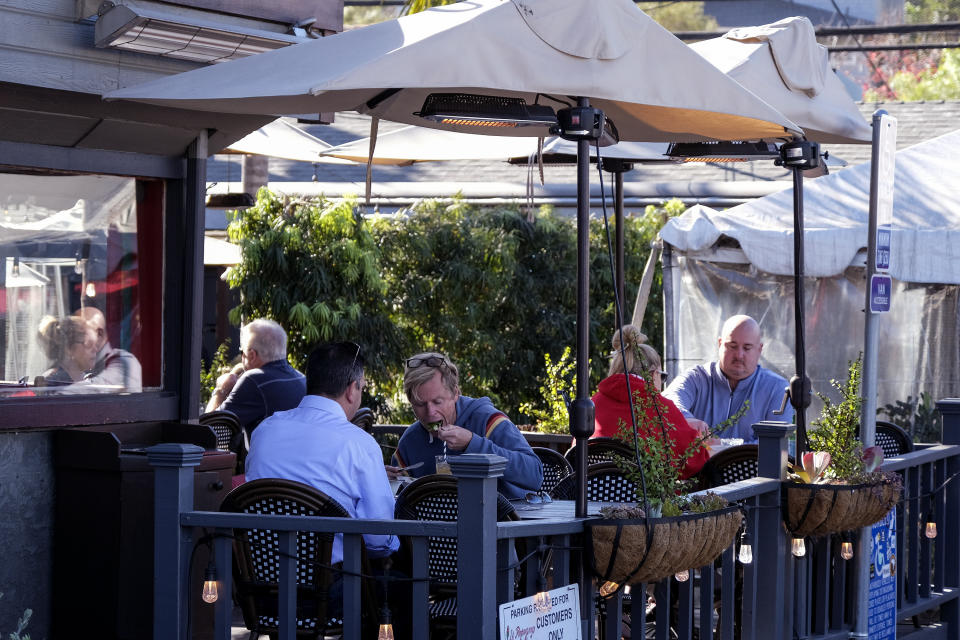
column 332, row 367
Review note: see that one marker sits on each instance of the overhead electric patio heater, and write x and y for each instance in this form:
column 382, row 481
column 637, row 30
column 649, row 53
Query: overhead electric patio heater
column 485, row 111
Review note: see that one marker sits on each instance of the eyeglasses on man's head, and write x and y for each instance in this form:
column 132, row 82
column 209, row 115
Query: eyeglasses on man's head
column 436, row 362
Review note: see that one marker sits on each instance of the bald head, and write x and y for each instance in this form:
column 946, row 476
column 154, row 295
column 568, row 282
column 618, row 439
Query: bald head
column 740, row 346
column 96, row 321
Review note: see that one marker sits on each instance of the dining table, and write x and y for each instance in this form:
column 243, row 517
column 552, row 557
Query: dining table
column 556, row 509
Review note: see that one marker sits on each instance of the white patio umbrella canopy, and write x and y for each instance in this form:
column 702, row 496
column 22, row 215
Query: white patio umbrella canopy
column 783, row 64
column 281, row 139
column 652, row 86
column 412, row 144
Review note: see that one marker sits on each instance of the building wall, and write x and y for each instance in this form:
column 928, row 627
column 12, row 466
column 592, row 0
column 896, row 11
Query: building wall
column 26, row 530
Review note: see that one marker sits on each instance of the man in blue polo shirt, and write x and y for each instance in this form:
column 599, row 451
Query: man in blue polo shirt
column 711, row 393
column 267, row 382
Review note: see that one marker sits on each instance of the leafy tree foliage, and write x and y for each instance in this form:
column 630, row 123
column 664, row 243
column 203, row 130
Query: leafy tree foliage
column 914, row 81
column 679, row 16
column 930, row 11
column 313, row 266
column 490, row 288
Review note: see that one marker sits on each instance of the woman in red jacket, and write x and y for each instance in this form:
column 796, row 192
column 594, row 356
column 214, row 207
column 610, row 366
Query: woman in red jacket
column 611, row 400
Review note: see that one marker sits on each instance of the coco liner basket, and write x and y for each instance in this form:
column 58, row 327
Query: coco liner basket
column 821, row 509
column 628, row 551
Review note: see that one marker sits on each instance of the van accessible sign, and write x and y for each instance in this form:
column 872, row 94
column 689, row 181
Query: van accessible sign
column 554, row 615
column 881, row 286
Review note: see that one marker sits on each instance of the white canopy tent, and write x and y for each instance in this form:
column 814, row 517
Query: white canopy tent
column 739, row 261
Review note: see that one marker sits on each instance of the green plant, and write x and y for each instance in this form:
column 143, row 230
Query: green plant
column 21, row 625
column 219, row 364
column 919, row 418
column 837, row 427
column 661, row 466
column 556, row 392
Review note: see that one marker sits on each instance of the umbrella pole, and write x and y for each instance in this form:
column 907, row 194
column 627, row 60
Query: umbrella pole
column 618, row 219
column 798, row 396
column 581, row 409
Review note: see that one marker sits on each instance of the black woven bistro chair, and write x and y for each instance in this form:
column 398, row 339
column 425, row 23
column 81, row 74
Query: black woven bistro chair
column 363, row 418
column 256, row 569
column 730, row 465
column 602, row 450
column 892, row 439
column 434, row 497
column 606, row 482
column 230, row 435
column 555, row 467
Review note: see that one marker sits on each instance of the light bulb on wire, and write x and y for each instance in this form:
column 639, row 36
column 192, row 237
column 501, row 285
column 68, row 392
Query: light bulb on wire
column 846, row 550
column 931, row 529
column 608, row 588
column 386, row 625
column 746, row 550
column 210, row 594
column 798, row 548
column 682, row 576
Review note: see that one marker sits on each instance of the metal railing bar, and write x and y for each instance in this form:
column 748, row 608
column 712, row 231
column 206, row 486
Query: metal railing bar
column 527, row 528
column 318, row 524
column 821, row 563
column 843, row 634
column 924, row 604
column 911, row 487
column 352, row 597
column 223, row 557
column 744, row 489
column 920, row 456
column 421, row 589
column 940, row 476
column 685, row 606
column 707, row 588
column 925, row 568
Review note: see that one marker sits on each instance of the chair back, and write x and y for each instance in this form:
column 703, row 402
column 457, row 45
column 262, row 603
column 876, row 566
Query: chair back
column 602, row 450
column 555, row 467
column 606, row 482
column 892, row 439
column 434, row 497
column 730, row 465
column 256, row 570
column 363, row 418
column 225, row 425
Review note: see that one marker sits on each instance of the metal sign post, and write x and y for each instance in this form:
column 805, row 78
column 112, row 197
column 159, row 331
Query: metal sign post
column 878, row 299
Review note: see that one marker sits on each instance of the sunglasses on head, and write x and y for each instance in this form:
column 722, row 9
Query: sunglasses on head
column 428, row 361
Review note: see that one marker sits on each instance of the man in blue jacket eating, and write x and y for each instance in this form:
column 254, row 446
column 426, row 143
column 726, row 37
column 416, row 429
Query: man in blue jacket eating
column 450, row 423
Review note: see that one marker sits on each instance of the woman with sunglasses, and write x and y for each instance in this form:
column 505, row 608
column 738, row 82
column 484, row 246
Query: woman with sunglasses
column 641, row 363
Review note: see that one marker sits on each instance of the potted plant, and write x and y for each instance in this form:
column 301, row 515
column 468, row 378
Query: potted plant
column 837, row 485
column 667, row 531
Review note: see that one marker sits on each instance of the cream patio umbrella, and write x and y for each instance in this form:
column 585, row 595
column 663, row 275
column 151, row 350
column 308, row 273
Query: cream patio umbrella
column 500, row 63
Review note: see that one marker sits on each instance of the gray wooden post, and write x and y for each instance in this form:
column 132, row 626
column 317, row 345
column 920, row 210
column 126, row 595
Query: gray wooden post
column 172, row 495
column 771, row 547
column 477, row 475
column 950, row 612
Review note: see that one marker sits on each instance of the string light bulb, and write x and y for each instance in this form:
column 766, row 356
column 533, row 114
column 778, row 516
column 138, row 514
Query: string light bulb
column 608, row 588
column 541, row 601
column 798, row 548
column 846, row 550
column 386, row 624
column 746, row 550
column 682, row 576
column 931, row 529
column 210, row 594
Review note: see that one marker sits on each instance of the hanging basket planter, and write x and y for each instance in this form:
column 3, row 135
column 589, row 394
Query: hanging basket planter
column 822, row 509
column 629, row 551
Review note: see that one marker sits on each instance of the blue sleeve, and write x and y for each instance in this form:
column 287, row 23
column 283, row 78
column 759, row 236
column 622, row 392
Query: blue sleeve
column 523, row 466
column 682, row 391
column 246, row 401
column 376, row 501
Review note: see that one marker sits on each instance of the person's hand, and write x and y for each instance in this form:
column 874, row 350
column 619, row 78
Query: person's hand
column 457, row 438
column 699, row 425
column 226, row 382
column 392, row 472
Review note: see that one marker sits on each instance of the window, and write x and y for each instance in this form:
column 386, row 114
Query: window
column 81, row 280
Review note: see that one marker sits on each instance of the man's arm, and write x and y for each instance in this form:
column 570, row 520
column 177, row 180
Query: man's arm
column 225, row 384
column 503, row 438
column 247, row 402
column 682, row 391
column 376, row 501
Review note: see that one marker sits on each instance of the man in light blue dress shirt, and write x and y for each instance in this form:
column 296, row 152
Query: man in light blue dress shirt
column 711, row 393
column 316, row 444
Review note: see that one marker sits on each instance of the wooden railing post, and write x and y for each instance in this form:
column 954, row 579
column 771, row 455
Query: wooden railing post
column 771, row 548
column 477, row 475
column 949, row 408
column 172, row 495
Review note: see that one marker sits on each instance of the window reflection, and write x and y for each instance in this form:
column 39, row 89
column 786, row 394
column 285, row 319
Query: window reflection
column 81, row 263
